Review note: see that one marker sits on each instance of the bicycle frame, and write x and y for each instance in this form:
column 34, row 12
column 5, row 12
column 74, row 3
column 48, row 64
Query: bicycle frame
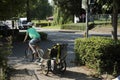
column 39, row 53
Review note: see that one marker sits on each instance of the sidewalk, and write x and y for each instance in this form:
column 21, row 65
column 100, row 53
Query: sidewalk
column 30, row 71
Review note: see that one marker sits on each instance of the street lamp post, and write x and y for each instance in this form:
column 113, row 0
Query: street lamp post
column 87, row 20
column 85, row 5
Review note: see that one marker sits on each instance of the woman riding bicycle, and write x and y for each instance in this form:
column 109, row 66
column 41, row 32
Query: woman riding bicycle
column 34, row 35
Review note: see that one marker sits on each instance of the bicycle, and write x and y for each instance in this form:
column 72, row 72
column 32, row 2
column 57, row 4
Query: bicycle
column 56, row 62
column 54, row 67
column 38, row 55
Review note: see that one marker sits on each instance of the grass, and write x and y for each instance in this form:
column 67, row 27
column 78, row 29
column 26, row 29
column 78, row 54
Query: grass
column 52, row 27
column 101, row 23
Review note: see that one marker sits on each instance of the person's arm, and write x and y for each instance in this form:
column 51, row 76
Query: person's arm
column 25, row 37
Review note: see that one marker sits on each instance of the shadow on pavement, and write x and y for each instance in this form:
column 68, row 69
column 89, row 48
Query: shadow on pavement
column 77, row 76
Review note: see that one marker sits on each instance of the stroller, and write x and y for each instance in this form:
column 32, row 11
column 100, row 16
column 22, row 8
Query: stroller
column 56, row 59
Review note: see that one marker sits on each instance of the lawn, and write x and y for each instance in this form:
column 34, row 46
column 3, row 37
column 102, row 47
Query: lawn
column 99, row 24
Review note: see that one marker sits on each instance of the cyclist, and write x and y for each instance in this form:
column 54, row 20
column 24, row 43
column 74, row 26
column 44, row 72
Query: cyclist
column 34, row 35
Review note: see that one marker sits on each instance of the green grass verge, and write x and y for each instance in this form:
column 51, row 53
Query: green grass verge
column 52, row 27
column 78, row 26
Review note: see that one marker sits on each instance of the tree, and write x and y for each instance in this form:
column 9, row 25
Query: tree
column 70, row 6
column 67, row 9
column 23, row 8
column 112, row 5
column 11, row 8
column 40, row 9
column 115, row 18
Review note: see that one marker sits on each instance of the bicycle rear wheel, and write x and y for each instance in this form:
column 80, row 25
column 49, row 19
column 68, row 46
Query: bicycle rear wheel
column 62, row 66
column 40, row 53
column 29, row 55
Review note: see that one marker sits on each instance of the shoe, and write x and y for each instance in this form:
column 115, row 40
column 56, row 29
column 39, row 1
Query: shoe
column 37, row 61
column 34, row 52
column 41, row 60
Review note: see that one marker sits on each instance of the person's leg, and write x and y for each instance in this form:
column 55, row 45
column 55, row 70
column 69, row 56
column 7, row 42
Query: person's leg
column 32, row 48
column 32, row 44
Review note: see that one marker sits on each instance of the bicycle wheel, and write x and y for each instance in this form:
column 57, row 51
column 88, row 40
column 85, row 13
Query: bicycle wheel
column 45, row 67
column 40, row 53
column 62, row 66
column 28, row 54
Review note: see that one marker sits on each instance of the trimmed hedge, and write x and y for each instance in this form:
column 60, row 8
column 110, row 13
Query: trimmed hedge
column 20, row 36
column 78, row 26
column 99, row 53
column 42, row 24
column 5, row 51
column 9, row 32
column 74, row 26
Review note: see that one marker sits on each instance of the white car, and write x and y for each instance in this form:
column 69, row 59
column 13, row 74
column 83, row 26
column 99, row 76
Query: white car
column 22, row 23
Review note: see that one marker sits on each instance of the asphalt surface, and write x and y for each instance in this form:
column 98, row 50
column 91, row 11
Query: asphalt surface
column 54, row 36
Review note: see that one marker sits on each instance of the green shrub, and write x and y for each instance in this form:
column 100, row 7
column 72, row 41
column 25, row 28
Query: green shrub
column 20, row 36
column 99, row 53
column 5, row 51
column 78, row 26
column 42, row 24
column 43, row 35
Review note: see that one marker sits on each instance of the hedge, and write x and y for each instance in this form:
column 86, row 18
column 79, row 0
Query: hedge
column 20, row 36
column 42, row 24
column 8, row 32
column 99, row 53
column 5, row 51
column 77, row 26
column 74, row 26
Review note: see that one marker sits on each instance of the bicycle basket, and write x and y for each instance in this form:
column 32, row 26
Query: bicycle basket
column 59, row 50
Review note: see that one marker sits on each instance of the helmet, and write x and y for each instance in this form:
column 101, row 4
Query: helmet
column 30, row 24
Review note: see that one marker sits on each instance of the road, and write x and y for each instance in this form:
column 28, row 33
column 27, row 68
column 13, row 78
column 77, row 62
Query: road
column 54, row 36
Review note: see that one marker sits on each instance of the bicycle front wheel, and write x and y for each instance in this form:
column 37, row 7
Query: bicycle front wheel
column 40, row 53
column 29, row 55
column 45, row 67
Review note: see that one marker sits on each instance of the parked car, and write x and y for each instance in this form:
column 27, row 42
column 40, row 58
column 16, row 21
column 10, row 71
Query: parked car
column 22, row 23
column 3, row 26
column 4, row 29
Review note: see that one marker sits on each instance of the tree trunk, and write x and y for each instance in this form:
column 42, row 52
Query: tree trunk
column 28, row 11
column 114, row 20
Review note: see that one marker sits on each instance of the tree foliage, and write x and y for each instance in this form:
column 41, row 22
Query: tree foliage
column 66, row 9
column 40, row 9
column 69, row 6
column 106, row 6
column 114, row 6
column 19, row 8
column 10, row 8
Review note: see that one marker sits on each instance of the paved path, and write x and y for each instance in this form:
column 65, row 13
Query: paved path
column 30, row 71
